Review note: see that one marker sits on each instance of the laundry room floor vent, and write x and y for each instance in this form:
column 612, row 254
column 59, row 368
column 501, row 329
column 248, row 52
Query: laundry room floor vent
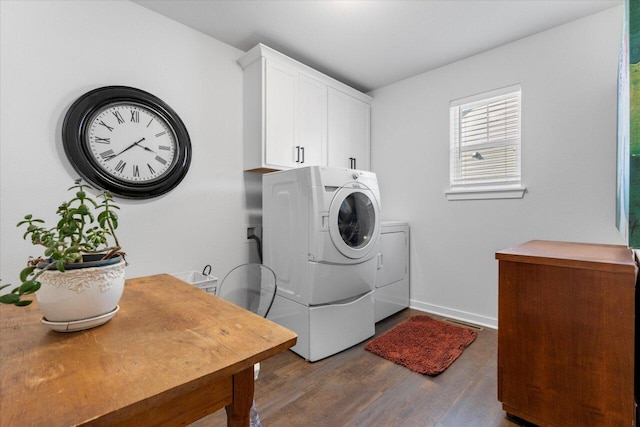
column 465, row 324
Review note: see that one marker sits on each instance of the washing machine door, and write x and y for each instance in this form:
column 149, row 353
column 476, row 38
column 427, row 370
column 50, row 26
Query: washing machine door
column 354, row 221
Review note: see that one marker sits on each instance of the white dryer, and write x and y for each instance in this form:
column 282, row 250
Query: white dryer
column 392, row 278
column 321, row 236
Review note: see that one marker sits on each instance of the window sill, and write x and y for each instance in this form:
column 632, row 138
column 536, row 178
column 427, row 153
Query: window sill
column 486, row 193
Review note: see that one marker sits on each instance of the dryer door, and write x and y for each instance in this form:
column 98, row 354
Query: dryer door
column 354, row 222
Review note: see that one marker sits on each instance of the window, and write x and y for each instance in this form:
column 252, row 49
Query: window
column 485, row 146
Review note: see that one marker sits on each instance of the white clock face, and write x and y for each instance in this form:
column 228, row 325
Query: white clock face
column 131, row 142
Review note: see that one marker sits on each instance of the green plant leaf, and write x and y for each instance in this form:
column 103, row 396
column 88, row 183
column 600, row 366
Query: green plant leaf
column 60, row 265
column 72, row 249
column 23, row 303
column 114, row 221
column 9, row 298
column 24, row 274
column 29, row 287
column 71, row 258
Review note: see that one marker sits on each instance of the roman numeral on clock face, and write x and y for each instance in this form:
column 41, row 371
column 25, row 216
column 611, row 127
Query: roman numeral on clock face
column 135, row 116
column 151, row 169
column 107, row 155
column 161, row 160
column 106, row 125
column 136, row 171
column 158, row 135
column 102, row 140
column 120, row 166
column 118, row 116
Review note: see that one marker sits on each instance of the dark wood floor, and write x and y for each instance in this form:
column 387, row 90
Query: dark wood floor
column 358, row 388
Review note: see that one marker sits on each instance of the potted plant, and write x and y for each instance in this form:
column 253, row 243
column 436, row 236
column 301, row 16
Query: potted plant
column 79, row 279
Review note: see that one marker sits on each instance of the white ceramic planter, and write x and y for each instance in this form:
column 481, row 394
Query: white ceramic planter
column 81, row 293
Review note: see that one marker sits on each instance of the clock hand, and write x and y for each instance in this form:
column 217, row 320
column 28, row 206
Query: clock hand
column 142, row 146
column 146, row 148
column 129, row 147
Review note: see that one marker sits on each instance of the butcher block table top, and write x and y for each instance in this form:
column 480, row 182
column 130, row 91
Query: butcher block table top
column 171, row 355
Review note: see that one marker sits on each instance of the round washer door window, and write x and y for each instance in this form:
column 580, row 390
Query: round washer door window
column 353, row 221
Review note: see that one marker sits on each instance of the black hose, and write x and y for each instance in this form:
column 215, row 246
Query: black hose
column 259, row 244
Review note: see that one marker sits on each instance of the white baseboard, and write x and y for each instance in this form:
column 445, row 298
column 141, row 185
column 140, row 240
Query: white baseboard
column 475, row 319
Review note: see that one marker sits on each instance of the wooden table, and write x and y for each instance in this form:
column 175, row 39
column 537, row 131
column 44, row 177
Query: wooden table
column 171, row 355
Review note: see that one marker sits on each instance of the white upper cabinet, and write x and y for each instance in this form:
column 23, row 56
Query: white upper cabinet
column 289, row 117
column 348, row 128
column 280, row 115
column 312, row 121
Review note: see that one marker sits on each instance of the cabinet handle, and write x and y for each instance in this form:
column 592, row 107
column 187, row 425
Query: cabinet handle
column 297, row 154
column 355, row 166
column 351, row 162
column 302, row 150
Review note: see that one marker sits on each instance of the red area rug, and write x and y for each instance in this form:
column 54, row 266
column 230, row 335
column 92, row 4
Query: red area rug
column 423, row 344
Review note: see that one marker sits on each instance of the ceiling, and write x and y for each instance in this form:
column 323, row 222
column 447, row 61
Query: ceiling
column 370, row 44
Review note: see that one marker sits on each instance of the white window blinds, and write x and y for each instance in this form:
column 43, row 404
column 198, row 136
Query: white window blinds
column 485, row 140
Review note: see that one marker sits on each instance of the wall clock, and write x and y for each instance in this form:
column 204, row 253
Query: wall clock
column 126, row 141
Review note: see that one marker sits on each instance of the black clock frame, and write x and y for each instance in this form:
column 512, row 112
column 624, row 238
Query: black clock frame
column 76, row 148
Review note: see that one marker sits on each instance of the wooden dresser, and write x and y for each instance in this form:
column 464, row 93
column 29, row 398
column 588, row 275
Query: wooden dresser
column 566, row 330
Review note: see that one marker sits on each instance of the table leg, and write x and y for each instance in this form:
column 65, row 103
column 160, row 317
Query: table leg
column 238, row 410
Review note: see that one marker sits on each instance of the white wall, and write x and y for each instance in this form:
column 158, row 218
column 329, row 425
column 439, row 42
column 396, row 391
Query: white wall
column 568, row 77
column 53, row 52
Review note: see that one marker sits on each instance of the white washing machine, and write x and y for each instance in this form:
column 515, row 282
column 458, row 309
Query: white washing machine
column 321, row 236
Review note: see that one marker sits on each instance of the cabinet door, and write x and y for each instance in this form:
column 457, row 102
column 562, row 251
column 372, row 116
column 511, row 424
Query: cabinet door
column 393, row 259
column 348, row 131
column 360, row 116
column 280, row 116
column 338, row 140
column 312, row 122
